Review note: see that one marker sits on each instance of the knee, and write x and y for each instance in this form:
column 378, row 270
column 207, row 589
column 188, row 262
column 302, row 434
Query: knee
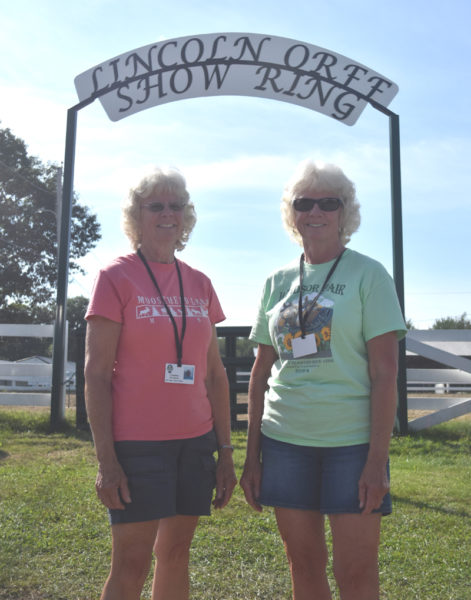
column 177, row 552
column 357, row 573
column 132, row 568
column 306, row 558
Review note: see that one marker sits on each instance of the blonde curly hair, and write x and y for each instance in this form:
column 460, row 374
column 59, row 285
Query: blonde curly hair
column 328, row 178
column 160, row 181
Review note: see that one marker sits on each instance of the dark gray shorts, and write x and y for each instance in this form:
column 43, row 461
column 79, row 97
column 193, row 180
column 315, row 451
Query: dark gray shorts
column 167, row 478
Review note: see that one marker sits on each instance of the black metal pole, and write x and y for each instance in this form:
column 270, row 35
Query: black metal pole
column 398, row 259
column 58, row 359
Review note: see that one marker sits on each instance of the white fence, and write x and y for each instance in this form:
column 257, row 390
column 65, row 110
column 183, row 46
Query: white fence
column 26, row 382
column 15, row 377
column 446, row 385
column 448, row 347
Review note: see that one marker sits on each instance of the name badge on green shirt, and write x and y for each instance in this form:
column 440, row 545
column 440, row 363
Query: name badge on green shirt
column 304, row 347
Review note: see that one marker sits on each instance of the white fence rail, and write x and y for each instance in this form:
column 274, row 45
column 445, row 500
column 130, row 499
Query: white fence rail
column 441, row 381
column 448, row 347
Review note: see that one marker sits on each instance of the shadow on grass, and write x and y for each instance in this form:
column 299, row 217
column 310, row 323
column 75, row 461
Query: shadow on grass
column 445, row 432
column 446, row 437
column 426, row 506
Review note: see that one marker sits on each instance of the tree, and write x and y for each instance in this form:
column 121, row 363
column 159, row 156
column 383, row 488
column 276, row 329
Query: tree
column 28, row 226
column 453, row 323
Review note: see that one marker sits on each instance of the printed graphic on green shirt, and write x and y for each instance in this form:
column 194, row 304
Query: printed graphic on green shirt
column 317, row 318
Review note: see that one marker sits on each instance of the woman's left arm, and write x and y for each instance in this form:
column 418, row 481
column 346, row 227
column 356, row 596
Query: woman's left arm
column 382, row 365
column 217, row 388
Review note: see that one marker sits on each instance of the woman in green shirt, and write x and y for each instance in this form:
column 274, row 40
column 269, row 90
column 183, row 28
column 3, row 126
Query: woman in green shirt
column 322, row 393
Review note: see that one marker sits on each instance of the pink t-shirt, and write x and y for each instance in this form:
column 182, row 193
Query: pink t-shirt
column 145, row 407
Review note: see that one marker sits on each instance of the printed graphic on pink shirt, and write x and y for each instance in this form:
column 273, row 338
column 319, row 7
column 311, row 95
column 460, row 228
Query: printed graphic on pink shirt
column 153, row 307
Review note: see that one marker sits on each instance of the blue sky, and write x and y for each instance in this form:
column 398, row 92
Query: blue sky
column 238, row 152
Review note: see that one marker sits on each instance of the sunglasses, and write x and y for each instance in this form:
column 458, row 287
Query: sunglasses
column 156, row 207
column 325, row 204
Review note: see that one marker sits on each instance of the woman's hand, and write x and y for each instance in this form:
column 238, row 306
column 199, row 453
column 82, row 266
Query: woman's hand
column 372, row 486
column 111, row 486
column 226, row 479
column 250, row 483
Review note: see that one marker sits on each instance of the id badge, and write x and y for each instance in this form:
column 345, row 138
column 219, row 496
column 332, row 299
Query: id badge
column 183, row 374
column 304, row 347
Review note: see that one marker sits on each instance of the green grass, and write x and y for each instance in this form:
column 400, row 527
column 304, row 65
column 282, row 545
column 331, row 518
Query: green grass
column 55, row 540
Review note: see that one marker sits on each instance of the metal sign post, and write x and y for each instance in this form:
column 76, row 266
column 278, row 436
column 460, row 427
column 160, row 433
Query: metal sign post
column 398, row 261
column 59, row 346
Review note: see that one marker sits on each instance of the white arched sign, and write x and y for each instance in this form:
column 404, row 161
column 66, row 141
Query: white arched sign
column 241, row 64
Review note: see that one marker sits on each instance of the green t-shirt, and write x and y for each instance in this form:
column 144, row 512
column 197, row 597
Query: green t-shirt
column 324, row 399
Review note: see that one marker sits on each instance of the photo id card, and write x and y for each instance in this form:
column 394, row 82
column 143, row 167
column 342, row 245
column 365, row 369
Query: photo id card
column 176, row 374
column 304, row 347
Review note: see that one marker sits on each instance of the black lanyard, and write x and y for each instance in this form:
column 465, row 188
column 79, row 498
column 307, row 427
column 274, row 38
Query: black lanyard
column 303, row 317
column 178, row 339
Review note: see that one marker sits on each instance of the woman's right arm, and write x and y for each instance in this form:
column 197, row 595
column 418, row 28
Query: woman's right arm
column 251, row 477
column 100, row 353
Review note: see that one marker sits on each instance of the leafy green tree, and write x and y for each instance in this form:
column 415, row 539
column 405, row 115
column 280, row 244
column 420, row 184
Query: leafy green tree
column 453, row 323
column 28, row 226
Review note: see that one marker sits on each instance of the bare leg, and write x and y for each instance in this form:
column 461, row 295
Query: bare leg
column 172, row 550
column 303, row 535
column 130, row 561
column 355, row 547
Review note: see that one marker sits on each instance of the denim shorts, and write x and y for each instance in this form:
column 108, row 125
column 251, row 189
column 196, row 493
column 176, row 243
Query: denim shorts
column 311, row 478
column 167, row 478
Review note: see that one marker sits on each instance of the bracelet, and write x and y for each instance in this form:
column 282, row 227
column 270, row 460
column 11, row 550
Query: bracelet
column 231, row 448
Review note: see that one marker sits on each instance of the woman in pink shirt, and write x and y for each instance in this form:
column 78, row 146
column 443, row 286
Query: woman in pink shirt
column 157, row 394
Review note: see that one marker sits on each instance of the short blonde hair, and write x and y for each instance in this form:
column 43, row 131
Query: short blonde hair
column 160, row 181
column 324, row 177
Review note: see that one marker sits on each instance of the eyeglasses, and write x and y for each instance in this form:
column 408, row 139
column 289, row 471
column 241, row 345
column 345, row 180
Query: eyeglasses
column 157, row 207
column 325, row 204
